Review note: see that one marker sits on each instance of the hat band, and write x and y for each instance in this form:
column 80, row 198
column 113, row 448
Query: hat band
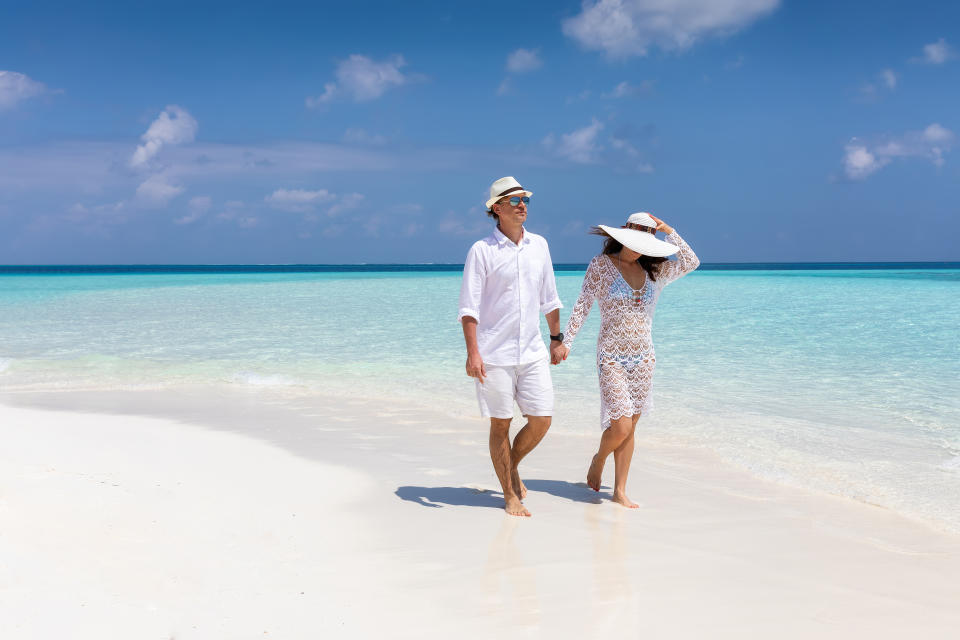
column 510, row 190
column 641, row 227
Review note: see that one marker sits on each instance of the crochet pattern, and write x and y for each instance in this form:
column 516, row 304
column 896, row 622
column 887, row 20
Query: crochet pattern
column 625, row 355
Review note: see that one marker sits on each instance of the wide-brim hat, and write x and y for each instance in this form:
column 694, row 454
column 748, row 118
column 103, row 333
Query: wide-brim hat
column 638, row 235
column 507, row 186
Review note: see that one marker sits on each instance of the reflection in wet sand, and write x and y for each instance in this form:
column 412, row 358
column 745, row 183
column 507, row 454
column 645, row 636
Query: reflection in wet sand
column 615, row 607
column 510, row 584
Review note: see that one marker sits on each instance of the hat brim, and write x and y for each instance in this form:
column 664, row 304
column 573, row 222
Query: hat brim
column 641, row 242
column 511, row 194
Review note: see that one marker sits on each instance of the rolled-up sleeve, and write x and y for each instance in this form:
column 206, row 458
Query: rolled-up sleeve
column 472, row 285
column 549, row 298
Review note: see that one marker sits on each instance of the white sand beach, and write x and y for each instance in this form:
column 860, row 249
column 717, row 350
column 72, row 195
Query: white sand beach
column 230, row 514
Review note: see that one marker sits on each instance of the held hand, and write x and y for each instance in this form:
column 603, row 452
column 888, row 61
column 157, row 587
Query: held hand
column 558, row 353
column 661, row 225
column 476, row 368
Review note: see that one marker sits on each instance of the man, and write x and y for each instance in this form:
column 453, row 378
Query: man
column 507, row 283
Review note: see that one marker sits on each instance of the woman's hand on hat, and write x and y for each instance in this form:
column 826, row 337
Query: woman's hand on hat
column 661, row 225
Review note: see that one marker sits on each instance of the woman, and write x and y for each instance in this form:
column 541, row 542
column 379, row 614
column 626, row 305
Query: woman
column 626, row 280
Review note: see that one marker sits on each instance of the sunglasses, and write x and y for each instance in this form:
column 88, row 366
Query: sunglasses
column 516, row 200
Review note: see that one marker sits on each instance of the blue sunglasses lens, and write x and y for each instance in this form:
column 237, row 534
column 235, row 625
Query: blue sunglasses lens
column 516, row 200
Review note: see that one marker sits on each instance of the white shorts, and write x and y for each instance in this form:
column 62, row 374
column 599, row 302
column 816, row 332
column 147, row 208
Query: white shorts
column 529, row 384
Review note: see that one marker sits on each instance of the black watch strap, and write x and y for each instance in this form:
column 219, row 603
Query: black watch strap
column 558, row 337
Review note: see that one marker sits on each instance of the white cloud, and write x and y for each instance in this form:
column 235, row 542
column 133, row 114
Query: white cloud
column 362, row 79
column 937, row 52
column 889, row 78
column 938, row 134
column 475, row 222
column 196, row 207
column 173, row 126
column 346, row 203
column 308, row 202
column 298, row 200
column 858, row 162
column 504, row 87
column 361, row 136
column 579, row 146
column 17, row 87
column 862, row 159
column 625, row 28
column 524, row 61
column 156, row 191
column 625, row 89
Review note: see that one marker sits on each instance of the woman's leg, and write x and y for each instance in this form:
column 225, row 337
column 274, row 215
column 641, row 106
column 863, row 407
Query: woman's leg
column 622, row 456
column 613, row 436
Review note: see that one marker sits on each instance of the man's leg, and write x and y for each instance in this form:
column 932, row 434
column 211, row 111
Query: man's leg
column 501, row 456
column 535, row 397
column 523, row 443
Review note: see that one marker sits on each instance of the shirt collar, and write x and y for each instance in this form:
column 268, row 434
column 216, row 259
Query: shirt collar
column 501, row 239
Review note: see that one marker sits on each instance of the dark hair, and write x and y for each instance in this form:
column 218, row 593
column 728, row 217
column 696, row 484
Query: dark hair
column 611, row 245
column 492, row 214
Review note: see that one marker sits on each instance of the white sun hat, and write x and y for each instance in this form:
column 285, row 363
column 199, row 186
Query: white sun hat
column 504, row 187
column 639, row 236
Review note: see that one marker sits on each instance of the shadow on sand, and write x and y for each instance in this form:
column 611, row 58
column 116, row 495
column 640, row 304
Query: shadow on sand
column 576, row 491
column 453, row 496
column 468, row 497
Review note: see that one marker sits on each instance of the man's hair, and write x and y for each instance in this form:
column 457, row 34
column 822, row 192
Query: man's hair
column 491, row 213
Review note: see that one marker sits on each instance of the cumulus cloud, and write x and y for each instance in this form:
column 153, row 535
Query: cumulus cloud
column 580, row 146
column 17, row 87
column 937, row 52
column 625, row 28
column 298, row 200
column 474, row 222
column 346, row 203
column 862, row 159
column 173, row 126
column 889, row 78
column 311, row 201
column 524, row 61
column 362, row 79
column 625, row 89
column 157, row 191
column 362, row 136
column 196, row 207
column 618, row 149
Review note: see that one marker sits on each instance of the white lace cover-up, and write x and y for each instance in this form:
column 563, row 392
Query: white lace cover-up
column 625, row 356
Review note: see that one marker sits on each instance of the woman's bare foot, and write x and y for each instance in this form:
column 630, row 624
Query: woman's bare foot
column 518, row 485
column 595, row 472
column 514, row 507
column 621, row 498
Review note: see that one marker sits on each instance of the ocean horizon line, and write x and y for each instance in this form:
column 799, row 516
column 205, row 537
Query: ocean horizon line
column 227, row 268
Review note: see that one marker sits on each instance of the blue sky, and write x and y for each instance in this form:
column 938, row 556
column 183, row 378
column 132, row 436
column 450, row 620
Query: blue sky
column 763, row 130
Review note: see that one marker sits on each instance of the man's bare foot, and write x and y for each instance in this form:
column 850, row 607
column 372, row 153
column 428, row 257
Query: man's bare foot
column 514, row 507
column 595, row 473
column 518, row 485
column 621, row 498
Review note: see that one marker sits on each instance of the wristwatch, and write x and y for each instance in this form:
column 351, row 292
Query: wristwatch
column 558, row 337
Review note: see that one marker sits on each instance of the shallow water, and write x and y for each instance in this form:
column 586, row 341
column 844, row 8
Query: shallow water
column 845, row 381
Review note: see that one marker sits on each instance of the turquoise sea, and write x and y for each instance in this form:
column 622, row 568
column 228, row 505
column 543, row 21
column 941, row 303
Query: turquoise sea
column 838, row 378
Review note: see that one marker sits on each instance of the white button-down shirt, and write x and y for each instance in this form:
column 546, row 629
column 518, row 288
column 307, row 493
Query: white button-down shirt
column 506, row 287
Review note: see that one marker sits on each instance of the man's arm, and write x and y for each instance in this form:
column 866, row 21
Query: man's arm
column 475, row 366
column 553, row 322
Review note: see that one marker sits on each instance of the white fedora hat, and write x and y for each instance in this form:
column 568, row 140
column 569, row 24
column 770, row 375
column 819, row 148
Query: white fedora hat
column 639, row 236
column 505, row 187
